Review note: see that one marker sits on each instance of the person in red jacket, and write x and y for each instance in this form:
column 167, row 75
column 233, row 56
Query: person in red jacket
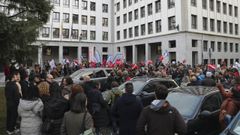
column 6, row 72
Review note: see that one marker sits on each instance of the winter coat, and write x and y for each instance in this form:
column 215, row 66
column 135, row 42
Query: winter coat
column 30, row 113
column 72, row 123
column 88, row 86
column 54, row 109
column 98, row 108
column 161, row 120
column 127, row 110
column 113, row 95
column 12, row 94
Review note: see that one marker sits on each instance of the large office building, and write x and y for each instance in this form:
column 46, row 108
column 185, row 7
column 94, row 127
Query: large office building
column 195, row 31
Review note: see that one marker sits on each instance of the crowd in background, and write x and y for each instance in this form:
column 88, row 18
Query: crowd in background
column 45, row 107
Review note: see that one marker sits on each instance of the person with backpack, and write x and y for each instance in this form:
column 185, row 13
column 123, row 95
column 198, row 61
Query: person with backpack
column 78, row 119
column 126, row 111
column 113, row 95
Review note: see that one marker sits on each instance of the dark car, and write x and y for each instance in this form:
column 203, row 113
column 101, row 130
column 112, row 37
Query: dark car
column 234, row 127
column 199, row 106
column 95, row 74
column 144, row 87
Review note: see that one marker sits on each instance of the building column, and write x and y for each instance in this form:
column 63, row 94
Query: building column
column 79, row 54
column 40, row 52
column 134, row 54
column 60, row 54
column 123, row 50
column 146, row 52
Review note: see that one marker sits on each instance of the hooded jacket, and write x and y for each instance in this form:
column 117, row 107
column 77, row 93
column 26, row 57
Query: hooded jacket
column 161, row 119
column 30, row 113
column 127, row 110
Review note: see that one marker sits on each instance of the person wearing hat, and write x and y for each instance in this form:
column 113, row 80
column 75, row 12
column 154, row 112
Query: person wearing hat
column 209, row 81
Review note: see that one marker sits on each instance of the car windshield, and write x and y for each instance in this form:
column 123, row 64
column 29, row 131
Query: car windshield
column 186, row 104
column 73, row 75
column 236, row 128
column 137, row 86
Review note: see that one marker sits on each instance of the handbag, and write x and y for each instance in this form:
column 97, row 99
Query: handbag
column 83, row 131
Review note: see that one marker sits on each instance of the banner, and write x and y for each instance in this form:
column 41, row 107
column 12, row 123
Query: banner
column 118, row 56
column 98, row 57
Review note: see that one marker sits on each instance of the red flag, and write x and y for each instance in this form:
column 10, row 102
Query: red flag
column 118, row 62
column 161, row 58
column 149, row 62
column 134, row 66
column 211, row 67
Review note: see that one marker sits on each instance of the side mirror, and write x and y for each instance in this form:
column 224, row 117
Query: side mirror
column 204, row 114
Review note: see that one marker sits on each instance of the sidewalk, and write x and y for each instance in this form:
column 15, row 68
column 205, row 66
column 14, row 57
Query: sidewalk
column 2, row 80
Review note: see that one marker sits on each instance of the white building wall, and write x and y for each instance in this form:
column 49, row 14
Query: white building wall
column 183, row 35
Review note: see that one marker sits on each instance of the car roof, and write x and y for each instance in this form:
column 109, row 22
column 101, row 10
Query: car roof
column 196, row 90
column 146, row 78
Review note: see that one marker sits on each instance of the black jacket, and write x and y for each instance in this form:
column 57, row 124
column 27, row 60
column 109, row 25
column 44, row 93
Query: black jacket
column 98, row 108
column 127, row 110
column 162, row 121
column 209, row 82
column 12, row 94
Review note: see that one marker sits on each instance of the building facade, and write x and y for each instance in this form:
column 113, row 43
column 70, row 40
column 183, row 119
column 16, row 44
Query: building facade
column 75, row 30
column 195, row 31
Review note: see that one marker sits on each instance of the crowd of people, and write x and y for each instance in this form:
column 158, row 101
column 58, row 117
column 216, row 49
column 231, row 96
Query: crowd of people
column 38, row 105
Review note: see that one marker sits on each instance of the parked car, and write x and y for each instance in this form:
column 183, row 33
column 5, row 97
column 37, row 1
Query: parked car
column 144, row 87
column 234, row 127
column 95, row 74
column 199, row 106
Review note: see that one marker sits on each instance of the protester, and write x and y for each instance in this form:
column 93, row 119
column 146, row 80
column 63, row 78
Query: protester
column 54, row 109
column 77, row 120
column 114, row 94
column 88, row 85
column 75, row 89
column 30, row 110
column 13, row 94
column 231, row 104
column 126, row 112
column 99, row 110
column 6, row 70
column 209, row 81
column 160, row 117
column 67, row 84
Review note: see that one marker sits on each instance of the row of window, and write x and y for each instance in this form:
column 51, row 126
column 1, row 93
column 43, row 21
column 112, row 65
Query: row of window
column 219, row 61
column 220, row 25
column 74, row 34
column 158, row 28
column 75, row 19
column 171, row 4
column 75, row 4
column 221, row 7
column 142, row 12
column 149, row 9
column 221, row 46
